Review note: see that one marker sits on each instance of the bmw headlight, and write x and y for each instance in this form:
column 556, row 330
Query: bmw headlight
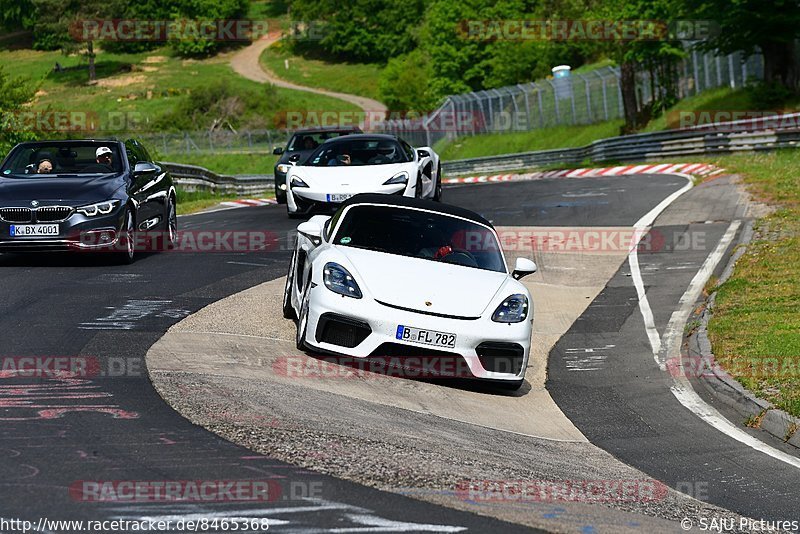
column 513, row 309
column 283, row 168
column 399, row 178
column 100, row 208
column 339, row 280
column 297, row 182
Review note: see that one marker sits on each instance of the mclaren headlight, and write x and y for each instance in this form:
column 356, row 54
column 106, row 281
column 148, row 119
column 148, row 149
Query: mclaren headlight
column 283, row 168
column 297, row 182
column 339, row 280
column 513, row 309
column 99, row 208
column 399, row 178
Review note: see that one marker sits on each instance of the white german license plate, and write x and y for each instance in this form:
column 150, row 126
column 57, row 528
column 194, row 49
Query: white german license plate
column 428, row 337
column 338, row 197
column 33, row 230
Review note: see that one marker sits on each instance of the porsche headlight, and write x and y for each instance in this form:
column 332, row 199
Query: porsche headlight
column 297, row 182
column 399, row 178
column 513, row 309
column 99, row 208
column 339, row 280
column 283, row 168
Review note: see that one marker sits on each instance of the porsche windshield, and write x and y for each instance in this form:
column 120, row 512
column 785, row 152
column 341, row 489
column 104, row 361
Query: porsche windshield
column 357, row 152
column 62, row 159
column 420, row 234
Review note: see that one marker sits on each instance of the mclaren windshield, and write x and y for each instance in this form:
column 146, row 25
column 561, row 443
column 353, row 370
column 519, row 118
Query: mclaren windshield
column 358, row 152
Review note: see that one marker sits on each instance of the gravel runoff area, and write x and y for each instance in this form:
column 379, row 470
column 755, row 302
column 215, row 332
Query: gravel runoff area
column 217, row 368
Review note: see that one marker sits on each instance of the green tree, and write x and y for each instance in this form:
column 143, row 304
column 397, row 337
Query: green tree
column 773, row 26
column 358, row 30
column 14, row 94
column 61, row 23
column 643, row 52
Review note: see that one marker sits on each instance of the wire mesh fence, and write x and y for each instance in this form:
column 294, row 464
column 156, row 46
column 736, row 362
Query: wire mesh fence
column 581, row 98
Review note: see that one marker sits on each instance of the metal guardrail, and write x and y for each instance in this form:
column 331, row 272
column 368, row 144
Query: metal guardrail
column 193, row 177
column 781, row 131
column 730, row 137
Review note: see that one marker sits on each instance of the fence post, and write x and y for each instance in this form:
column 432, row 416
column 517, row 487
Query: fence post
column 541, row 109
column 719, row 70
column 707, row 75
column 527, row 106
column 555, row 100
column 588, row 99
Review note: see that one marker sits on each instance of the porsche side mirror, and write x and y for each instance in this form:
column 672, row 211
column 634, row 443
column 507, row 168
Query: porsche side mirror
column 312, row 228
column 523, row 267
column 278, row 150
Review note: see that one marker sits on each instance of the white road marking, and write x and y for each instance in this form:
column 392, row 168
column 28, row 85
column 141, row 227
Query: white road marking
column 677, row 320
column 681, row 388
column 640, row 227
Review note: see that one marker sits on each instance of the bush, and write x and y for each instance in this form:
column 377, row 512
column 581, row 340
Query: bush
column 221, row 106
column 405, row 83
column 769, row 96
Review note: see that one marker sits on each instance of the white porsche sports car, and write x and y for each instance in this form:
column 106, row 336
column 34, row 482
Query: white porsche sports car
column 361, row 163
column 398, row 277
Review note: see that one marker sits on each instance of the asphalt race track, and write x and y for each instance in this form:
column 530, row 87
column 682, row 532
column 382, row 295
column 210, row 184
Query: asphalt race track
column 59, row 433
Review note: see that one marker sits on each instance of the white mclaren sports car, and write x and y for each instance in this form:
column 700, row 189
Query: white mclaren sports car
column 361, row 163
column 412, row 280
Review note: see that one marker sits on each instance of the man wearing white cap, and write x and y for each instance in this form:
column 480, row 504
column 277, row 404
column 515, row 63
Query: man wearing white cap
column 103, row 157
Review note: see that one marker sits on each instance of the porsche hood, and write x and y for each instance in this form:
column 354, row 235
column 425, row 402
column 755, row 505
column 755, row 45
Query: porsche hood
column 410, row 283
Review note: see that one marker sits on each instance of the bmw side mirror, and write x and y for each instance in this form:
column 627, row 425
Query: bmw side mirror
column 278, row 150
column 523, row 267
column 143, row 167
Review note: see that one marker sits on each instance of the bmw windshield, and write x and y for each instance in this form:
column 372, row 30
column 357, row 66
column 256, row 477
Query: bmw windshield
column 420, row 234
column 50, row 159
column 357, row 152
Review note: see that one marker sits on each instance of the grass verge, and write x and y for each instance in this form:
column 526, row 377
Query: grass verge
column 228, row 164
column 755, row 327
column 509, row 143
column 354, row 78
column 194, row 201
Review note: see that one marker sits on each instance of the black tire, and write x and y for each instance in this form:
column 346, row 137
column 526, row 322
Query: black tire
column 127, row 241
column 294, row 215
column 280, row 196
column 302, row 320
column 437, row 191
column 511, row 385
column 172, row 224
column 288, row 310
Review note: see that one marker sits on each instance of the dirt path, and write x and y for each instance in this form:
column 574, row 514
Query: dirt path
column 246, row 62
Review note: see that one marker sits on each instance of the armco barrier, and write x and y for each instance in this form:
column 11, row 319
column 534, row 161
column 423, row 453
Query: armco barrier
column 192, row 177
column 720, row 138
